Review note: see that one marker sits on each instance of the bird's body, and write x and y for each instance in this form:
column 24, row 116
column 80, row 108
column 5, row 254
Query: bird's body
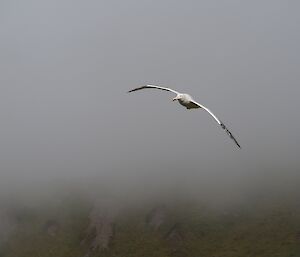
column 187, row 101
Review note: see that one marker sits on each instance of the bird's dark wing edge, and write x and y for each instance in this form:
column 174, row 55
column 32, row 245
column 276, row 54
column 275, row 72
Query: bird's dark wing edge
column 152, row 86
column 229, row 134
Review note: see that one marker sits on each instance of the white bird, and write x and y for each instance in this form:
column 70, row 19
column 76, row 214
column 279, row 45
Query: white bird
column 188, row 102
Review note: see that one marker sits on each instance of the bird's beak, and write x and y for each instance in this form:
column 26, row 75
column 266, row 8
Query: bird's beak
column 174, row 99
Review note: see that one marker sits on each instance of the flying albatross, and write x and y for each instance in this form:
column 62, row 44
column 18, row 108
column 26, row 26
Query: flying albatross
column 188, row 102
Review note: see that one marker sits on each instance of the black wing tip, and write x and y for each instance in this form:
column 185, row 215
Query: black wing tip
column 132, row 90
column 230, row 135
column 236, row 142
column 135, row 89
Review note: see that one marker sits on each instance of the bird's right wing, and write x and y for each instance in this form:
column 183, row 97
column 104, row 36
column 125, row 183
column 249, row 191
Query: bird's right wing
column 153, row 86
column 218, row 121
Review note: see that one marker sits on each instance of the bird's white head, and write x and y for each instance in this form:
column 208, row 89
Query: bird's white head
column 176, row 98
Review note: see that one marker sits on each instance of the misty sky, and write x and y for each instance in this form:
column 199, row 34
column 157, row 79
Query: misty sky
column 65, row 68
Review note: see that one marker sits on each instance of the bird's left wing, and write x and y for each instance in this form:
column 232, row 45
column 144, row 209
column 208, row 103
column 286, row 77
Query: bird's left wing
column 218, row 121
column 153, row 86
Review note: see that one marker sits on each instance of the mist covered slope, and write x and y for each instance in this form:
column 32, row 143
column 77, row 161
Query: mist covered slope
column 71, row 224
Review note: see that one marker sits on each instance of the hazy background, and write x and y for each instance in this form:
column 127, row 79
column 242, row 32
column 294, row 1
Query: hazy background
column 65, row 68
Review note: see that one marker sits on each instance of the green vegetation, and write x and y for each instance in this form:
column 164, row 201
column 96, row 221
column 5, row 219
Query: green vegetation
column 259, row 230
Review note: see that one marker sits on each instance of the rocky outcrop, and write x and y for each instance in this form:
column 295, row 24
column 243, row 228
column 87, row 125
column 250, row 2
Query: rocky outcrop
column 156, row 218
column 175, row 239
column 100, row 231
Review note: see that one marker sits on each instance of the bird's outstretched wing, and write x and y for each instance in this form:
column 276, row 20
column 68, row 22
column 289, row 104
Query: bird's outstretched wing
column 219, row 122
column 153, row 86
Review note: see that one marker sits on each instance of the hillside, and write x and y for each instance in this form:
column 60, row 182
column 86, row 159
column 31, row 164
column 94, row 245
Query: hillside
column 78, row 227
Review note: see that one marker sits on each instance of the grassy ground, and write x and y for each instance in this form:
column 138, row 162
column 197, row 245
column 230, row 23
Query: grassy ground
column 260, row 230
